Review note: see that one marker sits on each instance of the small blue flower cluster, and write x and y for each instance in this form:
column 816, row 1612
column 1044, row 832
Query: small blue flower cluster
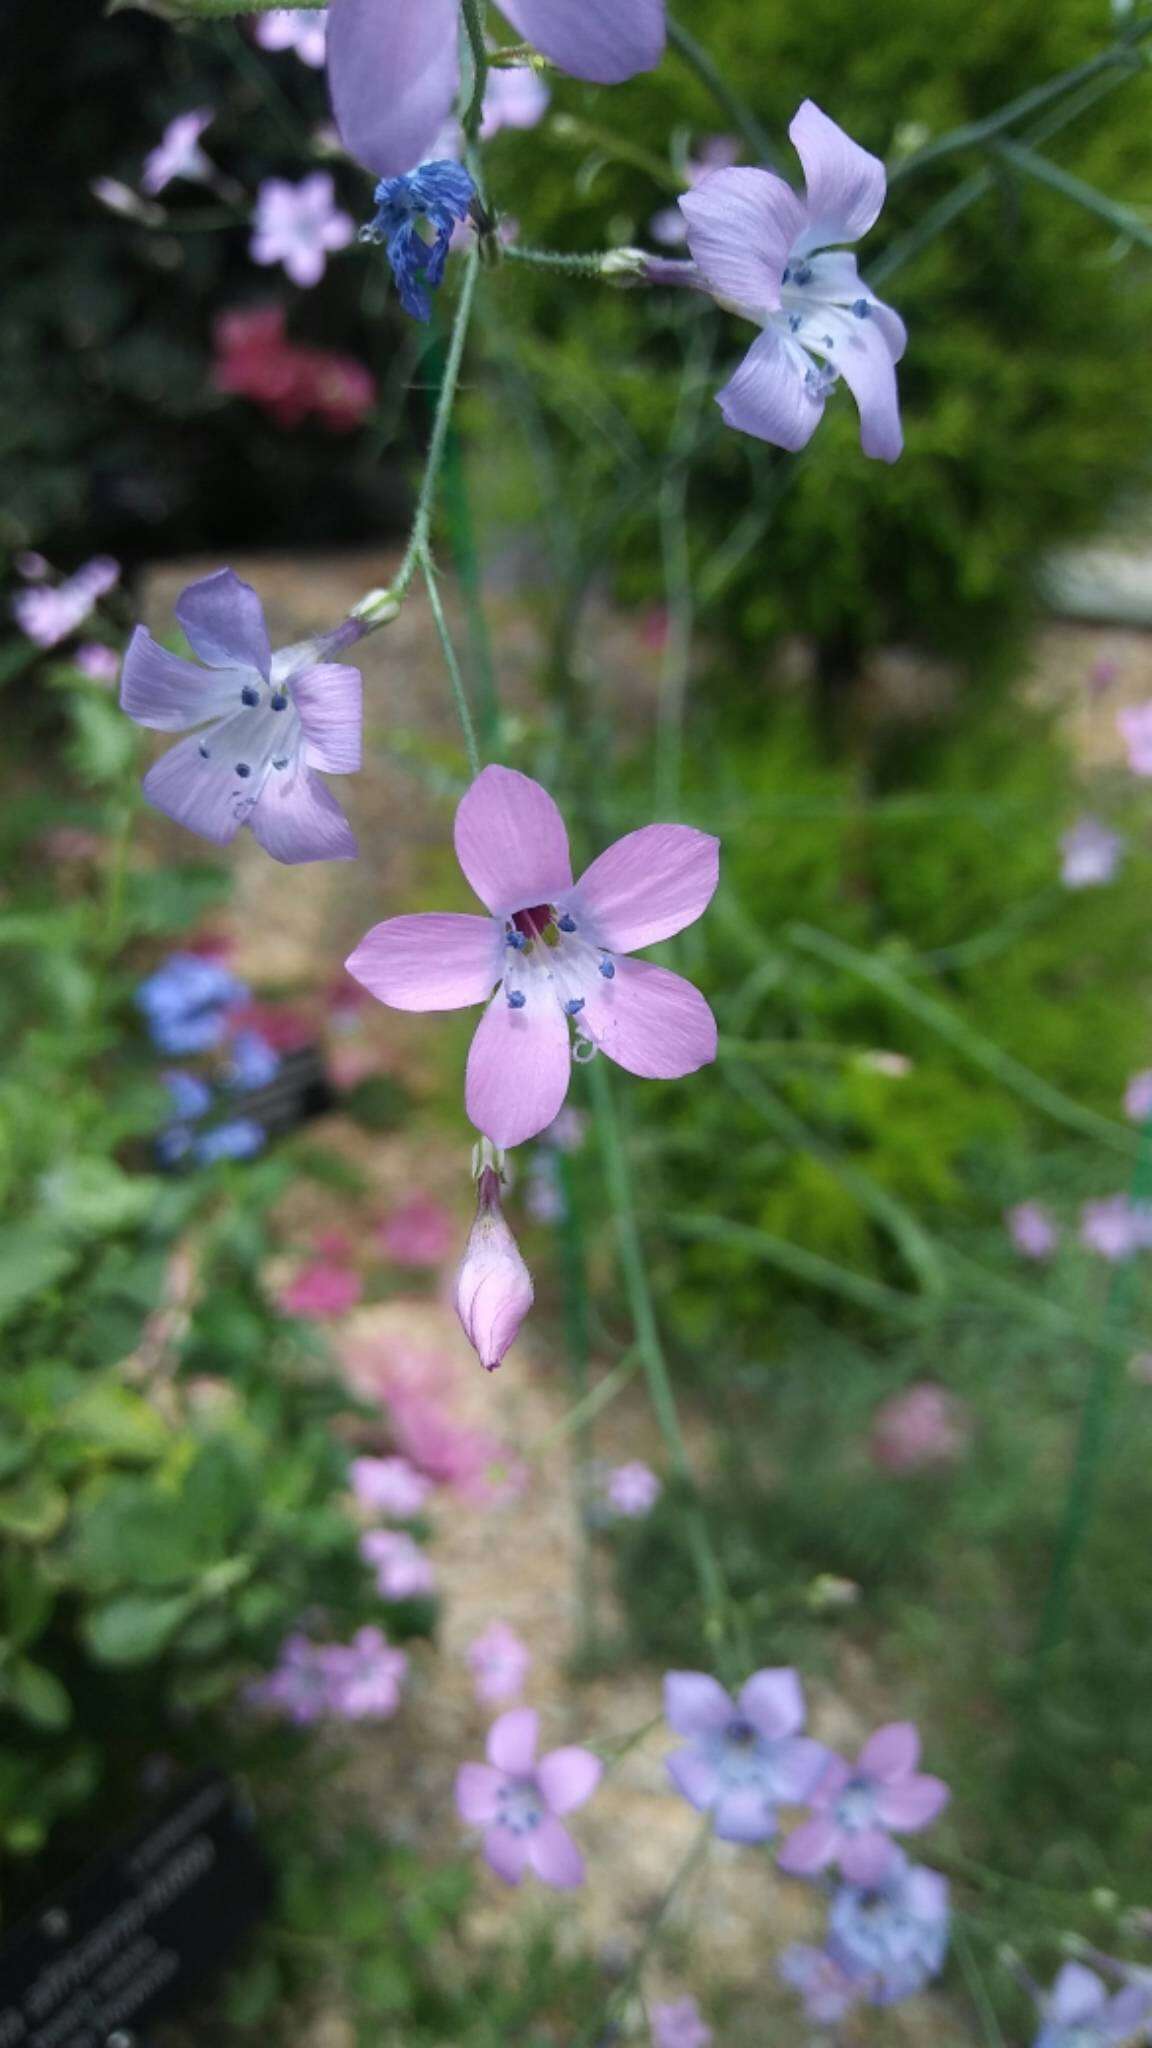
column 439, row 195
column 189, row 1005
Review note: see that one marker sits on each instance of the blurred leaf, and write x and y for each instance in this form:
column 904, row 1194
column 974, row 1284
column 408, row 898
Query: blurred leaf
column 32, row 1258
column 134, row 1628
column 33, row 1510
column 37, row 1694
column 111, row 1419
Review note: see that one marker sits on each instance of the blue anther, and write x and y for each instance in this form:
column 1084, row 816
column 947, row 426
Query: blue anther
column 243, row 770
column 278, row 701
column 203, row 750
column 861, row 308
column 787, row 277
column 516, row 999
column 573, row 1007
column 282, row 762
column 802, row 274
column 249, row 696
column 566, row 923
column 516, row 940
column 608, row 969
column 795, row 322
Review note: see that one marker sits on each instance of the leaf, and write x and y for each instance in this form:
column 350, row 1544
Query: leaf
column 95, row 1198
column 134, row 1628
column 38, row 1695
column 33, row 1510
column 32, row 1259
column 28, row 1599
column 111, row 1419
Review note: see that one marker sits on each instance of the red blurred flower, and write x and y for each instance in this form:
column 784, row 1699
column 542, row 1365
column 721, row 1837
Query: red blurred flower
column 254, row 359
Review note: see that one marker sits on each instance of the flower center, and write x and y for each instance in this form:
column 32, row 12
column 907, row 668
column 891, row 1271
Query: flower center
column 546, row 952
column 856, row 1807
column 520, row 1806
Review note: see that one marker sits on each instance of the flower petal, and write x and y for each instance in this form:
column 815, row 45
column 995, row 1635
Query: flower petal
column 868, row 1857
column 695, row 1703
column 553, row 1855
column 649, row 885
column 1078, row 1994
column 863, row 356
column 169, row 694
column 328, row 699
column 798, row 1764
column 913, row 1802
column 296, row 818
column 695, row 1777
column 435, row 961
column 478, row 1789
column 741, row 227
column 744, row 1815
column 393, row 69
column 223, row 622
column 511, row 842
column 602, row 40
column 202, row 795
column 811, row 1847
column 504, row 1852
column 892, row 1752
column 567, row 1777
column 845, row 184
column 519, row 1067
column 650, row 1021
column 773, row 1701
column 769, row 394
column 512, row 1741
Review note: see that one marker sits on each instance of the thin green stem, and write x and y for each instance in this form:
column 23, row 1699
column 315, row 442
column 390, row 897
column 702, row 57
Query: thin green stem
column 977, row 1989
column 425, row 512
column 573, row 128
column 713, row 80
column 561, row 259
column 1124, row 219
column 598, row 2028
column 679, row 605
column 459, row 691
column 474, row 28
column 574, row 1283
column 597, row 1398
column 1084, row 1485
column 630, row 1252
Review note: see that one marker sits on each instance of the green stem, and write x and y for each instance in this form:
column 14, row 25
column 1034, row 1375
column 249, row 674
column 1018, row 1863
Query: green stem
column 1084, row 1486
column 599, row 1397
column 459, row 692
column 421, row 531
column 474, row 27
column 630, row 1252
column 1124, row 219
column 697, row 59
column 574, row 1282
column 599, row 2028
column 676, row 662
column 560, row 259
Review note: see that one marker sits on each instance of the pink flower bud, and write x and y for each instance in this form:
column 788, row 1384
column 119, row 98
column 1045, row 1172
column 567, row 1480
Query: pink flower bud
column 493, row 1286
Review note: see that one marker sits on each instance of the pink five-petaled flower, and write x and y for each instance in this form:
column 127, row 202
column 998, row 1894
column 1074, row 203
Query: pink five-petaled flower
column 299, row 225
column 517, row 1800
column 494, row 1289
column 680, row 2026
column 855, row 1805
column 555, row 949
column 744, row 1757
column 499, row 1663
column 413, row 46
column 271, row 720
column 320, row 1291
column 923, row 1427
column 1135, row 728
column 1032, row 1230
column 403, row 1571
column 771, row 256
column 178, row 153
column 389, row 1486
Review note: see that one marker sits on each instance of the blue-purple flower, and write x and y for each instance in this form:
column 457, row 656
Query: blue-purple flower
column 254, row 1062
column 394, row 65
column 270, row 722
column 891, row 1939
column 855, row 1808
column 1090, row 853
column 438, row 194
column 828, row 1992
column 187, row 1001
column 775, row 258
column 518, row 1799
column 1081, row 2012
column 743, row 1758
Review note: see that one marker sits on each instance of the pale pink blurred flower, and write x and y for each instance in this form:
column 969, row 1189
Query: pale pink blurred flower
column 122, row 200
column 1138, row 1097
column 421, row 1233
column 499, row 1663
column 1102, row 674
column 32, row 566
column 518, row 1799
column 1135, row 728
column 389, row 1486
column 514, row 98
column 403, row 1570
column 348, row 1065
column 922, row 1427
column 299, row 226
column 633, row 1489
column 475, row 1463
column 1032, row 1230
column 680, row 2026
column 47, row 615
column 366, row 1676
column 99, row 663
column 178, row 153
column 1116, row 1227
column 303, row 29
column 1090, row 854
column 567, row 1131
column 320, row 1291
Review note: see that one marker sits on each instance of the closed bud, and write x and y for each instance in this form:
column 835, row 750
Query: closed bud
column 493, row 1286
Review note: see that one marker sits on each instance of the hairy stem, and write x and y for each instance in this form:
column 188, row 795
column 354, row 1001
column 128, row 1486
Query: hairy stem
column 459, row 692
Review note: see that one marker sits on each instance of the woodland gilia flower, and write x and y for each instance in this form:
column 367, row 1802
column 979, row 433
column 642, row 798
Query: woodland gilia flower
column 518, row 1800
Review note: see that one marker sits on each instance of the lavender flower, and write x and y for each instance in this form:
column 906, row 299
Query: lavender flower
column 365, row 1676
column 516, row 98
column 1032, row 1230
column 303, row 29
column 891, row 1939
column 856, row 1806
column 178, row 153
column 186, row 1003
column 768, row 254
column 299, row 226
column 717, row 153
column 829, row 1993
column 742, row 1759
column 633, row 1489
column 389, row 1486
column 48, row 615
column 270, row 722
column 438, row 194
column 680, row 2026
column 493, row 1286
column 499, row 1663
column 1116, row 1227
column 241, row 1138
column 1081, row 2012
column 1090, row 854
column 254, row 1062
column 518, row 1801
column 403, row 1571
column 99, row 663
column 1138, row 1097
column 1135, row 728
